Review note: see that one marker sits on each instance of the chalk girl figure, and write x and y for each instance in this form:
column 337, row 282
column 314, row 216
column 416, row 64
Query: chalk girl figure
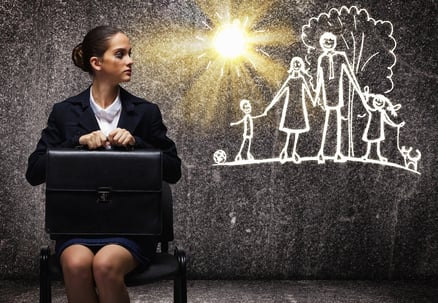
column 377, row 118
column 248, row 129
column 294, row 117
column 103, row 116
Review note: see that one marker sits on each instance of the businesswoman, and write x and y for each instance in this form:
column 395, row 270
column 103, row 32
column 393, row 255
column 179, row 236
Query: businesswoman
column 103, row 116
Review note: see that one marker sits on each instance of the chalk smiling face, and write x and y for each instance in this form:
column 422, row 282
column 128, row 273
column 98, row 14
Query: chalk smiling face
column 296, row 64
column 378, row 103
column 328, row 41
column 245, row 106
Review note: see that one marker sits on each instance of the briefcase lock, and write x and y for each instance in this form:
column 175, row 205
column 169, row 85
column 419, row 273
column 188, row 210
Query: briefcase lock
column 104, row 195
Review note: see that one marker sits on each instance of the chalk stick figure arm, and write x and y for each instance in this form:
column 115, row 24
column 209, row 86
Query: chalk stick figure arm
column 352, row 77
column 277, row 97
column 308, row 91
column 388, row 120
column 319, row 84
column 258, row 116
column 237, row 122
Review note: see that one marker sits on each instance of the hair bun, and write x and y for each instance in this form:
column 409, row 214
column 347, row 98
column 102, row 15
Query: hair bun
column 78, row 57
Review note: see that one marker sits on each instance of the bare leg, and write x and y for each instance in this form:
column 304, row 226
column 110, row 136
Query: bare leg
column 76, row 262
column 110, row 265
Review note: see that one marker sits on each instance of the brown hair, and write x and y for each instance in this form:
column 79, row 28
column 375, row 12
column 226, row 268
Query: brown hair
column 95, row 44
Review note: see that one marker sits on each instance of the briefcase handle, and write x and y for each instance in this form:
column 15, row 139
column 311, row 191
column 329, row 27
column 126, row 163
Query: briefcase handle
column 117, row 148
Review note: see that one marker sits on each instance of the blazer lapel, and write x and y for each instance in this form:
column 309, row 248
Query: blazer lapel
column 129, row 118
column 87, row 118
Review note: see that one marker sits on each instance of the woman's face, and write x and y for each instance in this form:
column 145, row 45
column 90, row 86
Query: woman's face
column 116, row 63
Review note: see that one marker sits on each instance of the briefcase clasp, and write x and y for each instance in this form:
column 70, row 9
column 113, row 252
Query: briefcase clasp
column 104, row 195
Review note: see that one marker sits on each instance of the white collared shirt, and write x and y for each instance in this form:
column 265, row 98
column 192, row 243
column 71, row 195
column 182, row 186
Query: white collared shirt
column 107, row 118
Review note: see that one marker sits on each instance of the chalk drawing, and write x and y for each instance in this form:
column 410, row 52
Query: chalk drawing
column 294, row 117
column 346, row 51
column 248, row 129
column 378, row 109
column 332, row 67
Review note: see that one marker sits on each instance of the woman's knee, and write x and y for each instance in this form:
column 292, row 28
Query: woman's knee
column 77, row 262
column 111, row 264
column 106, row 270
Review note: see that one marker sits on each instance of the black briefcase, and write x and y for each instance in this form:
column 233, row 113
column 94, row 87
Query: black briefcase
column 103, row 192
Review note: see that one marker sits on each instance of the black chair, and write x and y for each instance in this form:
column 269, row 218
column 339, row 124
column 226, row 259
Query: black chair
column 164, row 266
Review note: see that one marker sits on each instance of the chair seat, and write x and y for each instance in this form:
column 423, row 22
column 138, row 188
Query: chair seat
column 164, row 265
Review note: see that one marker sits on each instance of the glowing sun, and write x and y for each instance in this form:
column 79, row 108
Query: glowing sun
column 230, row 41
column 232, row 52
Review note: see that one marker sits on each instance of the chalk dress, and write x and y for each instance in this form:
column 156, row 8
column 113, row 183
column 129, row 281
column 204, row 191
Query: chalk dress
column 294, row 118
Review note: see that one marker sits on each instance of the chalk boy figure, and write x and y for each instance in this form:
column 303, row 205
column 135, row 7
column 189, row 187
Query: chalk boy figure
column 377, row 118
column 248, row 129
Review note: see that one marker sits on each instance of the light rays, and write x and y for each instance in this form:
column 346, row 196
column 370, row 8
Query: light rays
column 230, row 40
column 220, row 60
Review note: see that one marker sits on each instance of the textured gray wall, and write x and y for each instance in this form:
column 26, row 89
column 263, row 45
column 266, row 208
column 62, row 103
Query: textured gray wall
column 267, row 220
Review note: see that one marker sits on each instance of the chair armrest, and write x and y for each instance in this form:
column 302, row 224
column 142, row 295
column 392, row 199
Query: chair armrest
column 45, row 290
column 180, row 282
column 182, row 261
column 44, row 262
column 45, row 251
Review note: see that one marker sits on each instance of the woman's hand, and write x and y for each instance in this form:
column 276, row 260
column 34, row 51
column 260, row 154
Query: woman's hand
column 93, row 140
column 121, row 137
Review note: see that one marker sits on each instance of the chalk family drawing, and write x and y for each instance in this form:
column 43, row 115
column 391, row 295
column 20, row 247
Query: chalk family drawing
column 346, row 73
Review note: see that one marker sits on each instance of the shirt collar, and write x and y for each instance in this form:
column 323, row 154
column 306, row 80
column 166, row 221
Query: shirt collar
column 108, row 113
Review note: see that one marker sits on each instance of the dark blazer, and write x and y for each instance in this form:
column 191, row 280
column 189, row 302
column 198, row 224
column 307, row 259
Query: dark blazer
column 74, row 117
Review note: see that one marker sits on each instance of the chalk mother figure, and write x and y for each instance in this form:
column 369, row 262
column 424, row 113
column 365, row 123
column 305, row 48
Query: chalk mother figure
column 294, row 117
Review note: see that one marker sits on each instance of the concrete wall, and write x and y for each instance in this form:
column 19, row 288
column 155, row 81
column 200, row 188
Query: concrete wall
column 355, row 220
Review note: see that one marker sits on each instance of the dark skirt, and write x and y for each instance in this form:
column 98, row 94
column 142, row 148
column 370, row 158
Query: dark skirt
column 143, row 249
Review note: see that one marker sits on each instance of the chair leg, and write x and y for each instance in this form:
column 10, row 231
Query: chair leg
column 45, row 283
column 180, row 281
